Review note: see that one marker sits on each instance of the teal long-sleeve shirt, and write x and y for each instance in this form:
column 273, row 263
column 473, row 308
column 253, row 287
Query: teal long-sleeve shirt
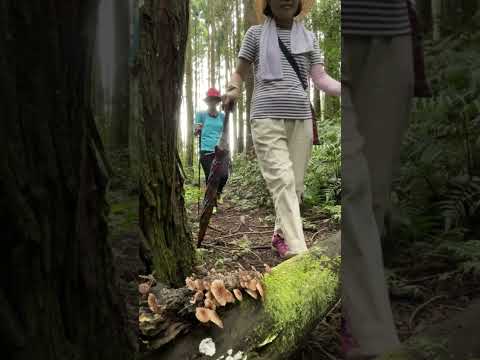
column 211, row 130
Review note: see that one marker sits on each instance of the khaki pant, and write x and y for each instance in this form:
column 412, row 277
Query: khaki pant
column 377, row 76
column 283, row 149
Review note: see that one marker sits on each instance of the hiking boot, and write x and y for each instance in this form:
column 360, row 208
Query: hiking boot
column 219, row 200
column 280, row 246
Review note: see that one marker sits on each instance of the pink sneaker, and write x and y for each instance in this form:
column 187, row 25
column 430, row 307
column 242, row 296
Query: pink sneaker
column 280, row 246
column 348, row 343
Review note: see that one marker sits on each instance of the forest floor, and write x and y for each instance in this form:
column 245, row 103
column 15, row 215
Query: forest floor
column 422, row 295
column 240, row 235
column 423, row 292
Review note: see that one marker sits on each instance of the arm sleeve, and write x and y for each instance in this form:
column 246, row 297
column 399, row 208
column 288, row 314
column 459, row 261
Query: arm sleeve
column 249, row 47
column 316, row 56
column 199, row 118
column 324, row 82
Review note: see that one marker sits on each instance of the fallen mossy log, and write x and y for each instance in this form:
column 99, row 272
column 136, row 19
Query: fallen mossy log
column 298, row 294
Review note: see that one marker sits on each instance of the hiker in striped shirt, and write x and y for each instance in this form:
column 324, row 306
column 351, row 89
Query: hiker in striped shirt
column 378, row 84
column 281, row 116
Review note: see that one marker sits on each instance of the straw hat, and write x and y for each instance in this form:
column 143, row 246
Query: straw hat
column 260, row 5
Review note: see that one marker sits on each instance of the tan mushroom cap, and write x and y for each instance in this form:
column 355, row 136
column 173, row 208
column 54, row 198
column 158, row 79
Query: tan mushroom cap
column 252, row 293
column 238, row 294
column 199, row 284
column 221, row 294
column 190, row 283
column 205, row 315
column 144, row 288
column 260, row 290
column 252, row 284
column 152, row 303
column 210, row 304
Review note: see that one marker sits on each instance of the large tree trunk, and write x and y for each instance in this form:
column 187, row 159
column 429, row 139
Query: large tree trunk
column 163, row 220
column 98, row 102
column 121, row 89
column 135, row 105
column 298, row 293
column 57, row 298
column 189, row 90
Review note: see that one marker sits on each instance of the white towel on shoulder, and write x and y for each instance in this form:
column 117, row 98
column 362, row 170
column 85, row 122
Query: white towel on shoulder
column 270, row 67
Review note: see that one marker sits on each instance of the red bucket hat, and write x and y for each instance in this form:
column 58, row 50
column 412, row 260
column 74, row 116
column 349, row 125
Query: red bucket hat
column 213, row 93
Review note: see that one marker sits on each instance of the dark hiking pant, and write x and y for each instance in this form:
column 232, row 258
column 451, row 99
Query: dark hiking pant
column 206, row 160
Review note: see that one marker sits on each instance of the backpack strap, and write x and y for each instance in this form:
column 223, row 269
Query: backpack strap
column 295, row 67
column 293, row 63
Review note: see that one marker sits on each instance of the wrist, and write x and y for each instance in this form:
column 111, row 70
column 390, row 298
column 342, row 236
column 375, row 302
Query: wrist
column 234, row 86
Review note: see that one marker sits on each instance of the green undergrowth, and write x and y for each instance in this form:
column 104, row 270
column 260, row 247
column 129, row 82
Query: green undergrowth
column 437, row 194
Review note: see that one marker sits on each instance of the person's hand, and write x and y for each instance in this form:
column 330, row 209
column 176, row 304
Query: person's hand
column 228, row 101
column 198, row 130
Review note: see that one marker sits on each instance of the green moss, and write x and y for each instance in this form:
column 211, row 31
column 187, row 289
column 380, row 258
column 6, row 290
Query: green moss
column 295, row 291
column 124, row 215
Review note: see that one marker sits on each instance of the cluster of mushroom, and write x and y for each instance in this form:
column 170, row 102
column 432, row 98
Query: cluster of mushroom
column 144, row 290
column 213, row 291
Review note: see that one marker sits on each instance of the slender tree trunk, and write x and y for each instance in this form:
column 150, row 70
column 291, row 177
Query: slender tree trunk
column 436, row 17
column 218, row 52
column 57, row 294
column 241, row 110
column 228, row 40
column 163, row 220
column 213, row 35
column 121, row 89
column 189, row 89
column 249, row 20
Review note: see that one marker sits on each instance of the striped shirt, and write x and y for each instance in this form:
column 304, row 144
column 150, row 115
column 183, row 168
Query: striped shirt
column 285, row 98
column 375, row 17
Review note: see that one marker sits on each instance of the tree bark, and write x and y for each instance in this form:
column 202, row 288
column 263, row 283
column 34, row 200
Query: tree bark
column 163, row 221
column 436, row 17
column 57, row 294
column 189, row 90
column 269, row 330
column 121, row 89
column 135, row 105
column 98, row 102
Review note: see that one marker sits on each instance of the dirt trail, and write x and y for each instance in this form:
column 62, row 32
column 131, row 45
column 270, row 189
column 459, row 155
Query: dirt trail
column 240, row 236
column 243, row 236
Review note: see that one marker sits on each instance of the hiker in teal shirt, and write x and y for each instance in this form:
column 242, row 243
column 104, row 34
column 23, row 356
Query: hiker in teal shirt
column 209, row 128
